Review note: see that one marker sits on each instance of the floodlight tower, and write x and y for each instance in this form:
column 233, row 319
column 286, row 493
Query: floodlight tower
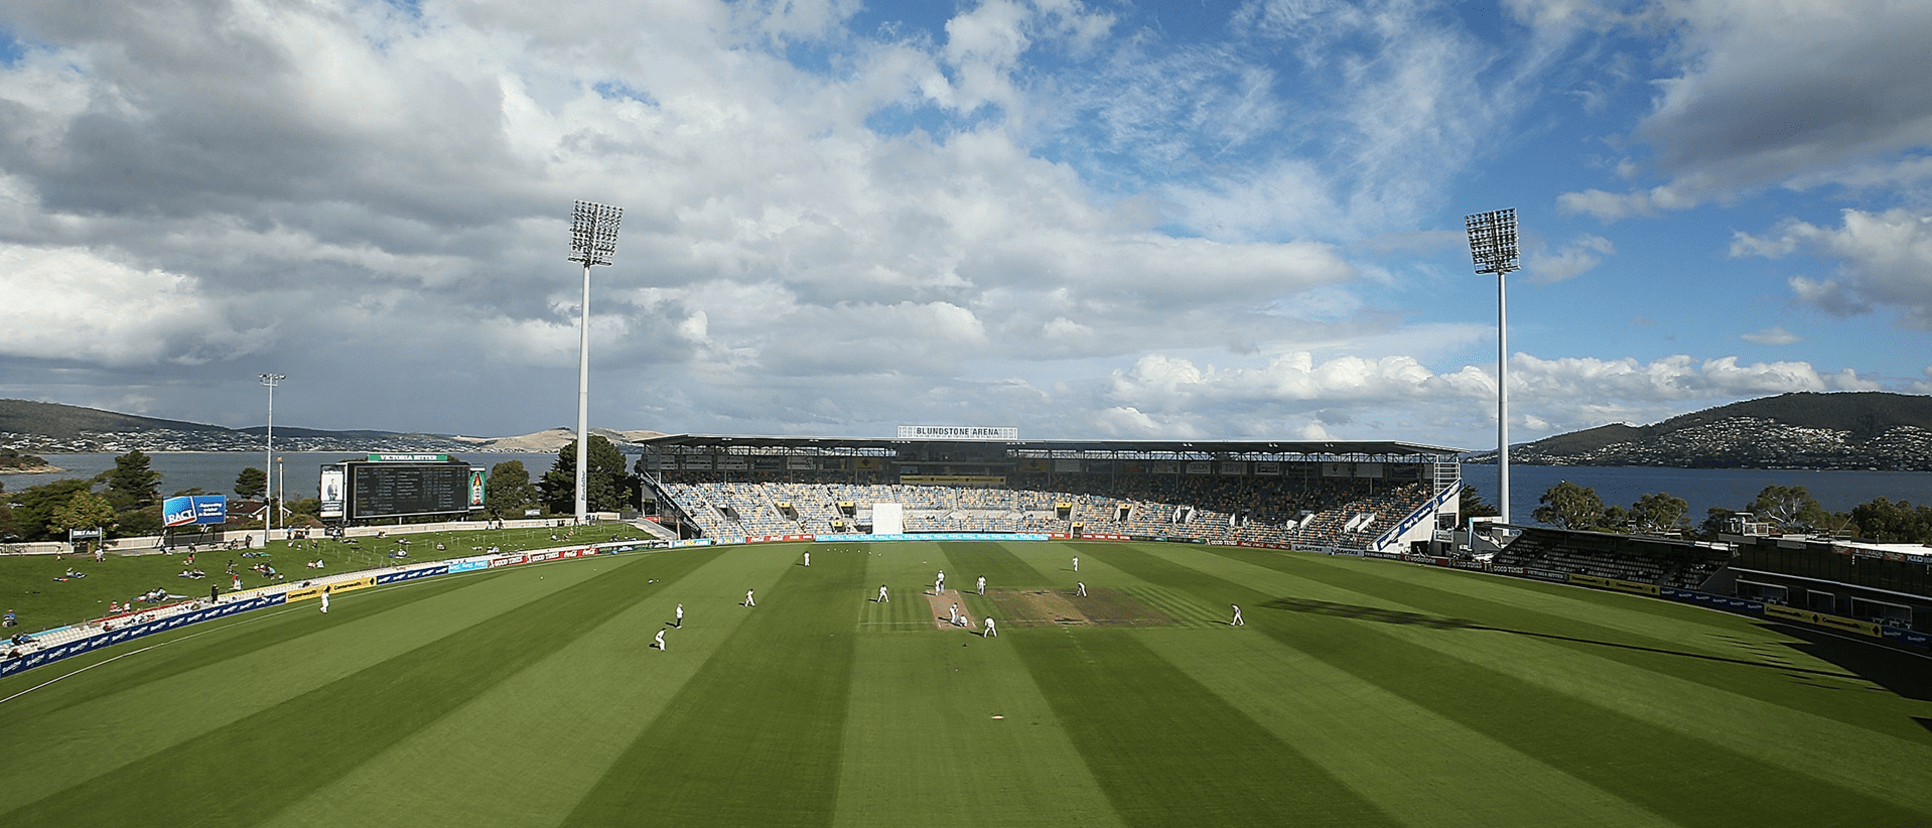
column 268, row 460
column 593, row 241
column 1492, row 244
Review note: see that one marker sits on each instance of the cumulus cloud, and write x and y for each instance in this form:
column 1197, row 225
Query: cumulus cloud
column 129, row 317
column 1802, row 93
column 1885, row 260
column 1293, row 391
column 1039, row 211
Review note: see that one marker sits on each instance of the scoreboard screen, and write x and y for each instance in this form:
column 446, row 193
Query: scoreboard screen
column 378, row 490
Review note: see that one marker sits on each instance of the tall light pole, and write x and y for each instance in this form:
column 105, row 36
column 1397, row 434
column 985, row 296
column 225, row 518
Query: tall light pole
column 593, row 241
column 268, row 460
column 1492, row 244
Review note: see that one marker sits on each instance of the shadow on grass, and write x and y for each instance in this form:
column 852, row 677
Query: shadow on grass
column 1900, row 671
column 1437, row 622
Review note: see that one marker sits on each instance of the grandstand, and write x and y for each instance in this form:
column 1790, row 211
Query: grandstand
column 1349, row 496
column 1556, row 554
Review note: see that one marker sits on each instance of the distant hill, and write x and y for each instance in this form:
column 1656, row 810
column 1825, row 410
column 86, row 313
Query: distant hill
column 1852, row 430
column 55, row 428
column 69, row 421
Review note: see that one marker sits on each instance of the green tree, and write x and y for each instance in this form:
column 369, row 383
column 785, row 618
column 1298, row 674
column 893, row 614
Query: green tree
column 142, row 522
column 85, row 510
column 1887, row 522
column 1790, row 508
column 1471, row 504
column 1659, row 514
column 33, row 512
column 509, row 490
column 1717, row 519
column 251, row 483
column 1569, row 506
column 132, row 484
column 611, row 487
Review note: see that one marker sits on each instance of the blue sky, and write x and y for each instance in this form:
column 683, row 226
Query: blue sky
column 1167, row 219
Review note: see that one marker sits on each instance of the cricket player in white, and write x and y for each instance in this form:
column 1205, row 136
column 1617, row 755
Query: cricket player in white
column 808, row 559
column 1083, row 588
column 1237, row 622
column 660, row 639
column 325, row 599
column 991, row 631
column 1076, row 563
column 883, row 597
column 955, row 613
column 982, row 584
column 939, row 586
column 680, row 614
column 748, row 601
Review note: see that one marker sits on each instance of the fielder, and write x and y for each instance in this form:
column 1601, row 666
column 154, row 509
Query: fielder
column 808, row 559
column 939, row 586
column 1076, row 563
column 680, row 615
column 1083, row 588
column 748, row 601
column 982, row 584
column 659, row 639
column 991, row 631
column 883, row 597
column 1237, row 622
column 325, row 600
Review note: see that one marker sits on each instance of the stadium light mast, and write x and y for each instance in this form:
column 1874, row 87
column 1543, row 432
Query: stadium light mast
column 1492, row 244
column 268, row 461
column 593, row 241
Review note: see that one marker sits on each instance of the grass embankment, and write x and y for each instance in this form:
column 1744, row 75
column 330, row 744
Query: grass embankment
column 33, row 586
column 1359, row 693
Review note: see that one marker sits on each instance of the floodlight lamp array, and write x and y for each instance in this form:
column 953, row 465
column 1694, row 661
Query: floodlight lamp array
column 593, row 232
column 1492, row 240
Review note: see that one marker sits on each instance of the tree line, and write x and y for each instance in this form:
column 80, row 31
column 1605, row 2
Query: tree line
column 125, row 501
column 1791, row 509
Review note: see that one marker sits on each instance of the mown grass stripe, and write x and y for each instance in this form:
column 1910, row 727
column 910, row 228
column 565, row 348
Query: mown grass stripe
column 1168, row 751
column 1666, row 771
column 256, row 765
column 53, row 750
column 194, row 647
column 1662, row 769
column 564, row 719
column 1714, row 660
column 923, row 747
column 1003, row 569
column 754, row 738
column 1873, row 764
column 1185, row 609
column 1424, row 769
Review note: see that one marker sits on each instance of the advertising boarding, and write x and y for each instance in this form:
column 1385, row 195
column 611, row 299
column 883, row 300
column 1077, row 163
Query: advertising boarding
column 191, row 510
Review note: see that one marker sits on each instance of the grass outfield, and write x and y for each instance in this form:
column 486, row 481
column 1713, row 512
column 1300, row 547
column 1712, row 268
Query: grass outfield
column 1359, row 693
column 31, row 585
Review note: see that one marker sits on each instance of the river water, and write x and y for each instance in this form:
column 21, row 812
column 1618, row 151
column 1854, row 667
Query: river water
column 215, row 471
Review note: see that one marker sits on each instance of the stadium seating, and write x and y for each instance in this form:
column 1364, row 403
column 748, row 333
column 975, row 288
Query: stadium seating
column 1322, row 512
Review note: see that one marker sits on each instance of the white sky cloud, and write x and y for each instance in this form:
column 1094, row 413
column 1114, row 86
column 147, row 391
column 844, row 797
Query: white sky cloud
column 1885, row 260
column 1080, row 217
column 1800, row 92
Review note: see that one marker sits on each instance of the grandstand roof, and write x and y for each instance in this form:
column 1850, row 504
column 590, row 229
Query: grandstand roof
column 1336, row 448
